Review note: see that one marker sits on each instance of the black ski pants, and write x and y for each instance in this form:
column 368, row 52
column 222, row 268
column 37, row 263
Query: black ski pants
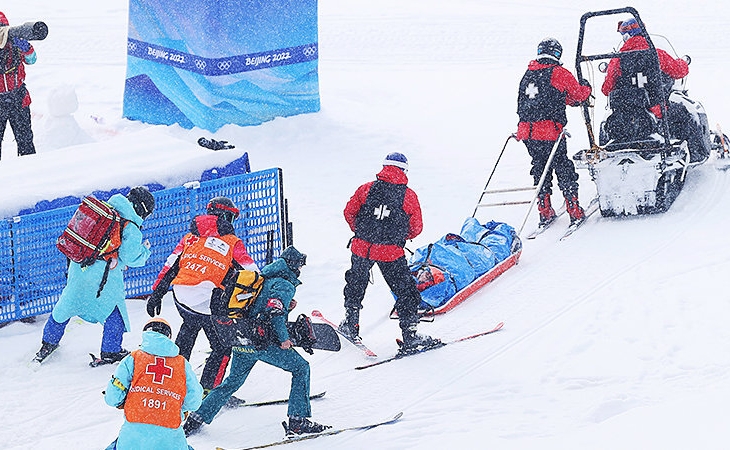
column 562, row 165
column 217, row 362
column 396, row 274
column 12, row 111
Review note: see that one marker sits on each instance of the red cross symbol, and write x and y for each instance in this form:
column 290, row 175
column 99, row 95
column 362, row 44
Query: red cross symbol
column 159, row 370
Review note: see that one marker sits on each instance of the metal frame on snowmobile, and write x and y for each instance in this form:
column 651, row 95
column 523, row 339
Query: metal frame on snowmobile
column 641, row 176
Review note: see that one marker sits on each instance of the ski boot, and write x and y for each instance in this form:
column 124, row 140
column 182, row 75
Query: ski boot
column 413, row 342
column 193, row 424
column 350, row 327
column 302, row 425
column 107, row 358
column 577, row 215
column 44, row 352
column 547, row 213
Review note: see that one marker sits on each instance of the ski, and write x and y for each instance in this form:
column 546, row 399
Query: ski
column 357, row 344
column 542, row 227
column 328, row 432
column 235, row 402
column 443, row 344
column 589, row 211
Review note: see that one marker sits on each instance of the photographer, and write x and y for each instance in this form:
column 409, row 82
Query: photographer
column 15, row 52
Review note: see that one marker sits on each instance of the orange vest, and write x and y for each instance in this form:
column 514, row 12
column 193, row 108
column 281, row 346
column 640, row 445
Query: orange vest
column 205, row 258
column 157, row 391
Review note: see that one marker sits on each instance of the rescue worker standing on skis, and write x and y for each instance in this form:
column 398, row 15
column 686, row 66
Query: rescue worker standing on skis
column 383, row 214
column 545, row 90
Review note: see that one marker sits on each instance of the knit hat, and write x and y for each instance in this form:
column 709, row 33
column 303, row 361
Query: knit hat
column 396, row 159
column 159, row 325
column 630, row 27
column 294, row 258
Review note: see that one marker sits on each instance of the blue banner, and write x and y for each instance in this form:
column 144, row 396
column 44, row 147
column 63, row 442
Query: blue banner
column 207, row 63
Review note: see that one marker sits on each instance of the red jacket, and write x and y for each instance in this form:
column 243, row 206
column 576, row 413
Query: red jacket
column 563, row 81
column 675, row 68
column 12, row 78
column 411, row 206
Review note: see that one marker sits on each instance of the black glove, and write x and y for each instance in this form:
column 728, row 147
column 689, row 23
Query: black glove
column 584, row 82
column 154, row 304
column 214, row 145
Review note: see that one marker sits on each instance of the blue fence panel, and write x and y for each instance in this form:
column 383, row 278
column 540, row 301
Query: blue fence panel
column 7, row 277
column 33, row 271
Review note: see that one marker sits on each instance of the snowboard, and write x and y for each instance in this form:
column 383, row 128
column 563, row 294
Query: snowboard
column 233, row 332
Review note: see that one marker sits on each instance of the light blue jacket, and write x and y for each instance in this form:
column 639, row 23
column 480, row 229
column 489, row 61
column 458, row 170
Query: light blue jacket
column 135, row 436
column 79, row 296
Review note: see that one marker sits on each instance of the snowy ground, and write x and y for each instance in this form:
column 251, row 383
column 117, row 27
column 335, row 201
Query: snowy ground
column 615, row 338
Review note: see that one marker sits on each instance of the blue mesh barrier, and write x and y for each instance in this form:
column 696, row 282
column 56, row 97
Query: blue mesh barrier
column 33, row 271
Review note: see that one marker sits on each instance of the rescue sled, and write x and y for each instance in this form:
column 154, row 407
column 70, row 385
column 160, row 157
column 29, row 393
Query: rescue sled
column 479, row 282
column 640, row 162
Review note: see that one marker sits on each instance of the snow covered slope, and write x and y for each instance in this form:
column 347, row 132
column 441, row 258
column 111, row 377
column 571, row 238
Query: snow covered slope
column 614, row 338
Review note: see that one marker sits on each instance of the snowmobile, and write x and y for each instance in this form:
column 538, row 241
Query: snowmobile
column 640, row 162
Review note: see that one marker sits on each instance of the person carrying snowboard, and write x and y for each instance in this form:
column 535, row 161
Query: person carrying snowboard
column 544, row 91
column 270, row 344
column 196, row 269
column 96, row 293
column 383, row 214
column 156, row 388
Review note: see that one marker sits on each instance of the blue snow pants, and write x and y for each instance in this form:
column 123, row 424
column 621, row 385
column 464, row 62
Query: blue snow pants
column 111, row 340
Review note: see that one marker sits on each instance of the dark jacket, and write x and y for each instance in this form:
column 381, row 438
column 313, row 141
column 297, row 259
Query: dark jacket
column 401, row 220
column 274, row 300
column 545, row 89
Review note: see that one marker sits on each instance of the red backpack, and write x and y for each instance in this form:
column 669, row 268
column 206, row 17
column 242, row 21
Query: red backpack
column 93, row 233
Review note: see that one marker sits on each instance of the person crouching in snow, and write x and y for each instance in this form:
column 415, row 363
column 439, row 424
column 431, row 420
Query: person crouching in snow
column 156, row 388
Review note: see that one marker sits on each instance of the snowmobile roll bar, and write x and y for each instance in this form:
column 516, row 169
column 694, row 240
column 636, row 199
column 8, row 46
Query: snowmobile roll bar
column 580, row 58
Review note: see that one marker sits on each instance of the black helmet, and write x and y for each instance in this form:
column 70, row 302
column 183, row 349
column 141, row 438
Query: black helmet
column 223, row 207
column 159, row 325
column 551, row 48
column 142, row 200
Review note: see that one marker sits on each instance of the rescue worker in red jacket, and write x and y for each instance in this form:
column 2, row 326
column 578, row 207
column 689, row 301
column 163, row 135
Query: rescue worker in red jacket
column 383, row 214
column 633, row 40
column 545, row 90
column 196, row 270
column 681, row 116
column 15, row 53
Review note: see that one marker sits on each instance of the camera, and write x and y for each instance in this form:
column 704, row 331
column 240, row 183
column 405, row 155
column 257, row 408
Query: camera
column 30, row 31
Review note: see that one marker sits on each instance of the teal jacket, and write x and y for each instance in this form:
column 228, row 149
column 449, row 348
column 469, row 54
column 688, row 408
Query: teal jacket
column 280, row 284
column 141, row 435
column 79, row 296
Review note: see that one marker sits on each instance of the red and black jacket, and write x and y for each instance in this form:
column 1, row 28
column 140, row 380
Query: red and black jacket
column 674, row 68
column 545, row 89
column 383, row 214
